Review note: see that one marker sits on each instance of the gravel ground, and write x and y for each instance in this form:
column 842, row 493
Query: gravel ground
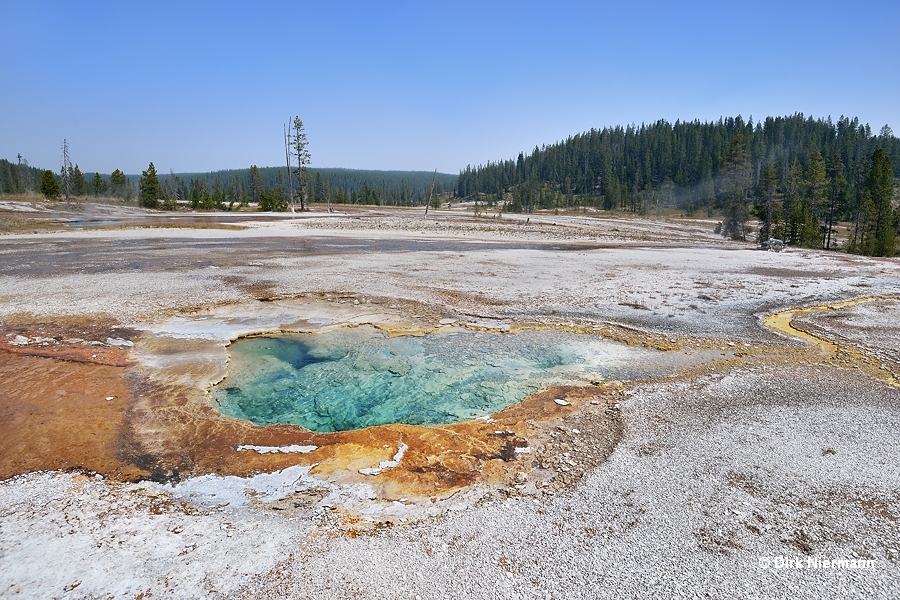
column 713, row 477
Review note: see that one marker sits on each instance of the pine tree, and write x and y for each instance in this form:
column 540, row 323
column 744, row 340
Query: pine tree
column 300, row 151
column 766, row 209
column 792, row 204
column 879, row 238
column 256, row 184
column 204, row 199
column 118, row 184
column 319, row 189
column 25, row 179
column 8, row 180
column 836, row 196
column 79, row 183
column 65, row 182
column 736, row 185
column 172, row 192
column 816, row 187
column 97, row 184
column 149, row 189
column 49, row 185
column 236, row 193
column 218, row 195
column 807, row 207
column 272, row 200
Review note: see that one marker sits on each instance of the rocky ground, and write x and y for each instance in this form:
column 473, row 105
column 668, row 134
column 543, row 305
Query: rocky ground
column 745, row 474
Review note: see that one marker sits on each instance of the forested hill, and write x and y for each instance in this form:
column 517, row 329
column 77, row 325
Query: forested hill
column 688, row 165
column 394, row 188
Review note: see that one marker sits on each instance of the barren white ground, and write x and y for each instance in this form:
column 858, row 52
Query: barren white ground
column 719, row 483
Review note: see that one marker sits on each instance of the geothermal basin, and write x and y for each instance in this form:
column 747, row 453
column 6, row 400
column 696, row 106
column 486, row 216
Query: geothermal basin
column 351, row 378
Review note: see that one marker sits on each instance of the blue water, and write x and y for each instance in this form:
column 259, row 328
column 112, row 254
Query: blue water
column 358, row 377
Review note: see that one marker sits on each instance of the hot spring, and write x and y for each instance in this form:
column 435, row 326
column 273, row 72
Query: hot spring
column 351, row 378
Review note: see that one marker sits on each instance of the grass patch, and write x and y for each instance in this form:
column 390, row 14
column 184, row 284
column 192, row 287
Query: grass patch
column 25, row 225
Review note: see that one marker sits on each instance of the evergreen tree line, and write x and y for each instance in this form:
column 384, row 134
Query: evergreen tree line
column 228, row 189
column 18, row 177
column 799, row 175
column 72, row 183
column 268, row 187
column 21, row 178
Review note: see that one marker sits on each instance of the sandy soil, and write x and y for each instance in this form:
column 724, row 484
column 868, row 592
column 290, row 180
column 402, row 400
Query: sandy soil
column 122, row 480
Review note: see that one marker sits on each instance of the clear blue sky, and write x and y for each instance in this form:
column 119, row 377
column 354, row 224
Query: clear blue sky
column 200, row 86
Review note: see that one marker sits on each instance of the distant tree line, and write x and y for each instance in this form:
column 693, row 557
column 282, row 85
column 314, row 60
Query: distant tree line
column 797, row 174
column 268, row 187
column 228, row 189
column 18, row 177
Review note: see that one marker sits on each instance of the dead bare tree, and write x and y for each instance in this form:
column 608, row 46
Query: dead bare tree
column 431, row 192
column 66, row 170
column 172, row 187
column 287, row 159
